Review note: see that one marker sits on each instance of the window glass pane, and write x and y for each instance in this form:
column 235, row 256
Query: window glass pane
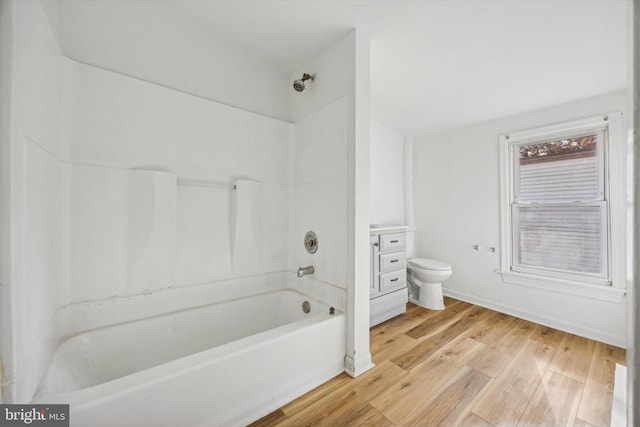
column 565, row 170
column 561, row 238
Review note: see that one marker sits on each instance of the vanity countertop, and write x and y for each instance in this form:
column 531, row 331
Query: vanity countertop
column 387, row 227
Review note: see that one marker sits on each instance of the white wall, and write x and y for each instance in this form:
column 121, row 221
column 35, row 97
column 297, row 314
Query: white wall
column 7, row 332
column 319, row 193
column 129, row 145
column 331, row 181
column 173, row 52
column 33, row 193
column 95, row 203
column 124, row 123
column 7, row 361
column 633, row 355
column 386, row 204
column 358, row 358
column 104, row 197
column 457, row 206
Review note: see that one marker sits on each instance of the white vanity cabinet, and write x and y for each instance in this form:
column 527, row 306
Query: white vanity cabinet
column 388, row 283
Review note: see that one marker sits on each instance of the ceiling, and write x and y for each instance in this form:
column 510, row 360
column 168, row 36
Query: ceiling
column 435, row 65
column 438, row 65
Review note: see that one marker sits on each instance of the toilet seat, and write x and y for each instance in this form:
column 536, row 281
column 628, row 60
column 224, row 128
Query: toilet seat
column 429, row 264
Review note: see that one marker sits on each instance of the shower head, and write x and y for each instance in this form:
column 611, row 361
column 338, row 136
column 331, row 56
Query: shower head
column 299, row 86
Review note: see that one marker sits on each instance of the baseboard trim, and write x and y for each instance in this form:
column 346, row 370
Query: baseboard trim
column 355, row 367
column 619, row 405
column 616, row 340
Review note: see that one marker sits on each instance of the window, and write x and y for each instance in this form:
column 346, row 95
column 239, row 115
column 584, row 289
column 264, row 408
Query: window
column 556, row 196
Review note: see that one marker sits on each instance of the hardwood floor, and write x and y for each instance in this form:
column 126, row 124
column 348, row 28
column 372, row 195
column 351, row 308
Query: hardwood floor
column 466, row 366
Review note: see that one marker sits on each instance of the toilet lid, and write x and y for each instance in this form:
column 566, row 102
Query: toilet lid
column 429, row 264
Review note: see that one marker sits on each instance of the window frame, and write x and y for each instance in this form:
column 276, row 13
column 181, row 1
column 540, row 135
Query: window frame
column 612, row 201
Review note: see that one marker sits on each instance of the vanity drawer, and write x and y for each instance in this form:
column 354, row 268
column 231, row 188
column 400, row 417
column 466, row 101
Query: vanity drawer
column 393, row 261
column 393, row 279
column 392, row 241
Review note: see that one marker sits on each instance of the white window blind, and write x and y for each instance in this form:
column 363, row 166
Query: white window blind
column 564, row 170
column 560, row 181
column 560, row 238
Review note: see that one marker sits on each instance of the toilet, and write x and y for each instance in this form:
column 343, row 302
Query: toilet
column 425, row 277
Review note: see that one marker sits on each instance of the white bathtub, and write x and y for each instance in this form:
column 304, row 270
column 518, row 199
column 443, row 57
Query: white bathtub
column 221, row 364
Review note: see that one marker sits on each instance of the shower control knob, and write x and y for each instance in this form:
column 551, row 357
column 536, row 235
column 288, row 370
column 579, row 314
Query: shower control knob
column 311, row 242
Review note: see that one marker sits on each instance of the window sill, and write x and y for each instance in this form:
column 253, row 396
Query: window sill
column 603, row 293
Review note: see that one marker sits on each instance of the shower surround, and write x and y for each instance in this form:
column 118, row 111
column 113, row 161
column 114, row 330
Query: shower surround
column 122, row 190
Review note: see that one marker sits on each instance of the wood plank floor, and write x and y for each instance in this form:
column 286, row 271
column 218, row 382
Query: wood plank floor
column 466, row 366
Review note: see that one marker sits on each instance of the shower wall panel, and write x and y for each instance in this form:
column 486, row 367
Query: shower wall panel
column 320, row 191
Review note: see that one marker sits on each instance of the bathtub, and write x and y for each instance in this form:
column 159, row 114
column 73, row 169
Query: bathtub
column 223, row 363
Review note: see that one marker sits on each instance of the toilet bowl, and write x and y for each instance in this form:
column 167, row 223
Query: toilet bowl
column 425, row 277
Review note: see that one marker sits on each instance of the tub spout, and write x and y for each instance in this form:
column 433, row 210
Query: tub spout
column 303, row 271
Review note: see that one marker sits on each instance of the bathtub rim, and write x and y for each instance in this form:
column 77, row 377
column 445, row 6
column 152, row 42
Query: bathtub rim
column 87, row 397
column 76, row 333
column 83, row 316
